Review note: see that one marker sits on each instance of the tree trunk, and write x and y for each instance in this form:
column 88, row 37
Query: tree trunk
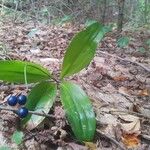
column 120, row 15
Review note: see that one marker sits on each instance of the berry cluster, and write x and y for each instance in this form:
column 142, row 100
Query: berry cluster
column 21, row 100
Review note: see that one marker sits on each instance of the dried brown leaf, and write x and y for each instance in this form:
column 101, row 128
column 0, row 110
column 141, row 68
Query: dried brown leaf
column 130, row 140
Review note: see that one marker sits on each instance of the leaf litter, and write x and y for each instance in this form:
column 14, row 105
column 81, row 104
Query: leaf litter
column 112, row 84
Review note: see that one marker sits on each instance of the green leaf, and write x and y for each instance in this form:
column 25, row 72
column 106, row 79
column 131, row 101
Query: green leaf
column 79, row 111
column 4, row 148
column 123, row 41
column 40, row 99
column 17, row 137
column 21, row 72
column 82, row 49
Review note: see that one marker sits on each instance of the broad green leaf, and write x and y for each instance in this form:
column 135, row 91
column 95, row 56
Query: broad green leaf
column 123, row 41
column 17, row 137
column 21, row 72
column 79, row 111
column 40, row 99
column 82, row 49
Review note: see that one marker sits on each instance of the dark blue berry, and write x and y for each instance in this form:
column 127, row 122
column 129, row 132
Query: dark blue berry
column 21, row 99
column 22, row 112
column 12, row 100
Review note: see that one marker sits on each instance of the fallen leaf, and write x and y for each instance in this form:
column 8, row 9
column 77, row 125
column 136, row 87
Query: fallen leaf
column 120, row 78
column 129, row 118
column 133, row 125
column 123, row 90
column 35, row 50
column 145, row 112
column 130, row 140
column 130, row 130
column 108, row 119
column 75, row 146
column 90, row 145
column 144, row 92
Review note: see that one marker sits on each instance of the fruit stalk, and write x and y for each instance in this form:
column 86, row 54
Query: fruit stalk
column 30, row 112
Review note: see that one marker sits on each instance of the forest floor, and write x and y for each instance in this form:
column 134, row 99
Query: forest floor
column 117, row 82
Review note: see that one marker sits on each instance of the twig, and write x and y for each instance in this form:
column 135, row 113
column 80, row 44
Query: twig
column 4, row 88
column 128, row 60
column 30, row 112
column 144, row 136
column 130, row 112
column 111, row 139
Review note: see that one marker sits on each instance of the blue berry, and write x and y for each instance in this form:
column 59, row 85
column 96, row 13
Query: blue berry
column 22, row 112
column 12, row 100
column 21, row 99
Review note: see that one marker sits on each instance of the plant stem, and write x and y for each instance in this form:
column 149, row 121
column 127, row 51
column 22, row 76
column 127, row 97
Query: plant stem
column 57, row 81
column 30, row 112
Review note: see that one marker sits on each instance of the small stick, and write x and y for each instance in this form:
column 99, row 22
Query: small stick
column 144, row 136
column 5, row 88
column 30, row 112
column 111, row 139
column 128, row 60
column 130, row 112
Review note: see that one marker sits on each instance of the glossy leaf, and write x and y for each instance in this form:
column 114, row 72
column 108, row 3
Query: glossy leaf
column 79, row 111
column 82, row 49
column 19, row 71
column 40, row 99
